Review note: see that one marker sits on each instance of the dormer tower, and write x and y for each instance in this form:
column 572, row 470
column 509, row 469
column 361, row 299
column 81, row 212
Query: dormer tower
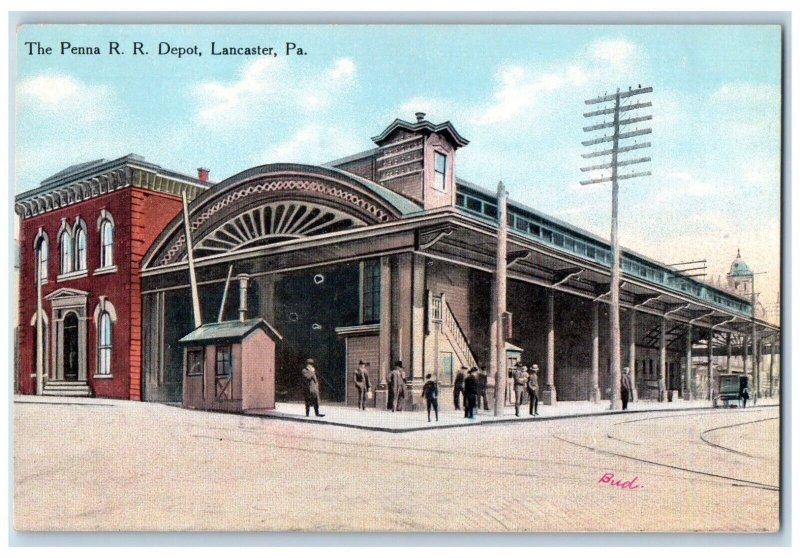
column 417, row 160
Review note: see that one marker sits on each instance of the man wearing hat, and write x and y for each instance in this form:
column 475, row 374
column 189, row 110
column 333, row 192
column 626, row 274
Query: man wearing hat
column 471, row 393
column 311, row 383
column 458, row 387
column 361, row 379
column 397, row 387
column 533, row 390
column 483, row 381
column 520, row 385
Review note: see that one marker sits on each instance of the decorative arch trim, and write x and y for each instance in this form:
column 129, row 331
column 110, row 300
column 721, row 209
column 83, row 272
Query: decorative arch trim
column 226, row 217
column 105, row 215
column 104, row 305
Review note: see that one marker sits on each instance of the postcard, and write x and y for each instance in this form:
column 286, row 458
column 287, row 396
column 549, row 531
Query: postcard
column 398, row 278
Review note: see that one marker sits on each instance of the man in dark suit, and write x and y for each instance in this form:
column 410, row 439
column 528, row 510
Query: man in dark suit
column 520, row 385
column 430, row 391
column 397, row 387
column 458, row 387
column 483, row 380
column 533, row 390
column 361, row 380
column 311, row 384
column 626, row 388
column 471, row 393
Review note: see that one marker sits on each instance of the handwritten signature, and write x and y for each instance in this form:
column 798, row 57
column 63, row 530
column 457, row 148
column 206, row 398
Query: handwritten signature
column 608, row 478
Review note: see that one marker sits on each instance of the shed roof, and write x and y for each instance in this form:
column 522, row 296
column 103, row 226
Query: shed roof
column 232, row 330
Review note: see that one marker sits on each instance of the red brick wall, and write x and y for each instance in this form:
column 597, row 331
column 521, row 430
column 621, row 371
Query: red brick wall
column 139, row 216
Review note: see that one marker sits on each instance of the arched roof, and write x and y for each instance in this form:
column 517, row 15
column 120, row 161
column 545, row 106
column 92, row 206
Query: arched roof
column 276, row 202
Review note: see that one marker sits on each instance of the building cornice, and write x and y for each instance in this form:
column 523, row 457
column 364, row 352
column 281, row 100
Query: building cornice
column 103, row 181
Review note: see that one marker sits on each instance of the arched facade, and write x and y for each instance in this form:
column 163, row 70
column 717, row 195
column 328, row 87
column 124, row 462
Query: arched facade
column 275, row 203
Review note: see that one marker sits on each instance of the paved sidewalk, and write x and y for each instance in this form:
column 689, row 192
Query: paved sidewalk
column 409, row 421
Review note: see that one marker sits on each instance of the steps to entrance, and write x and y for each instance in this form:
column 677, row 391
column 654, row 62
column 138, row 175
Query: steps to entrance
column 67, row 388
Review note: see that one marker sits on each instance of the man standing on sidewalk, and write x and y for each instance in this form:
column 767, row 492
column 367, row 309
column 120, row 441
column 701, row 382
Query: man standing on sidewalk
column 471, row 393
column 361, row 379
column 430, row 391
column 309, row 374
column 483, row 380
column 458, row 387
column 520, row 384
column 533, row 390
column 626, row 387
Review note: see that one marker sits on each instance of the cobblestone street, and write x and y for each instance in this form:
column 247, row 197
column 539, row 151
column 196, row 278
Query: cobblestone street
column 108, row 465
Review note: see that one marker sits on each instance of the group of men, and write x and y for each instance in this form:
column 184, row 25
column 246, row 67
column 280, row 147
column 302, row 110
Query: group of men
column 526, row 381
column 469, row 387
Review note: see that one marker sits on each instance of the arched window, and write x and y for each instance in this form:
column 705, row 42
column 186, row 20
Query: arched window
column 80, row 250
column 106, row 243
column 41, row 257
column 104, row 345
column 66, row 252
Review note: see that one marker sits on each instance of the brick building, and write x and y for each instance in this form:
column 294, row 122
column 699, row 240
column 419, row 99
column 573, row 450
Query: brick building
column 90, row 225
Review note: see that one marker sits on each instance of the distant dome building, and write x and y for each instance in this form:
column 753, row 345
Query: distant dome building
column 740, row 277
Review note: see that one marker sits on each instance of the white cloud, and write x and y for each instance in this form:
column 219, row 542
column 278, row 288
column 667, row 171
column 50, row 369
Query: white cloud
column 618, row 53
column 65, row 97
column 311, row 144
column 267, row 85
column 519, row 88
column 746, row 94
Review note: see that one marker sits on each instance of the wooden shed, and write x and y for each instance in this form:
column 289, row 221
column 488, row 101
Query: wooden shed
column 230, row 366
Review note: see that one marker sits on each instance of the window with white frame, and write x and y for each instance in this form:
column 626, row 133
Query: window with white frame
column 41, row 258
column 104, row 344
column 65, row 240
column 80, row 250
column 106, row 243
column 439, row 171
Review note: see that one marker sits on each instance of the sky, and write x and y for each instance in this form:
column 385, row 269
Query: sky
column 516, row 92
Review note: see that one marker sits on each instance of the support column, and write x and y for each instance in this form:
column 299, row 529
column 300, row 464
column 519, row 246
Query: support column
column 728, row 352
column 632, row 355
column 744, row 355
column 710, row 360
column 689, row 393
column 243, row 281
column 594, row 389
column 549, row 393
column 417, row 372
column 500, row 300
column 385, row 333
column 662, row 361
column 771, row 365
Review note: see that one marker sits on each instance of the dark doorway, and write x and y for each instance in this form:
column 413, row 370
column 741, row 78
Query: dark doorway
column 309, row 306
column 70, row 347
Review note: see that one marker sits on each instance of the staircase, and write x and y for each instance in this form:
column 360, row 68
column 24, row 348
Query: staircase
column 67, row 388
column 441, row 313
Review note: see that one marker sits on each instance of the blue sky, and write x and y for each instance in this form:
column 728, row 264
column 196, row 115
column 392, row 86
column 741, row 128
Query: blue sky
column 515, row 91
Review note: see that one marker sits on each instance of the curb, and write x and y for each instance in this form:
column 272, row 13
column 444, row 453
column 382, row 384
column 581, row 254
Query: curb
column 503, row 421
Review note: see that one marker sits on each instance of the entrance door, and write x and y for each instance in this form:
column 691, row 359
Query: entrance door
column 70, row 354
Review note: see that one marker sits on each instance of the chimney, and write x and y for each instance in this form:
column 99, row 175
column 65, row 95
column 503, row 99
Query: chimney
column 202, row 174
column 420, row 116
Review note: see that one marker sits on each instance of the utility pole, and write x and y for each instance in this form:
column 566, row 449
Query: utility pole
column 500, row 300
column 39, row 324
column 198, row 320
column 616, row 125
column 754, row 339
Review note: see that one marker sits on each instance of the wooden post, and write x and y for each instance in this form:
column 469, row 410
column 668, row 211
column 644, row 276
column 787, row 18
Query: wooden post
column 710, row 360
column 632, row 354
column 549, row 396
column 689, row 395
column 662, row 361
column 198, row 319
column 595, row 379
column 771, row 363
column 500, row 300
column 225, row 295
column 728, row 352
column 615, row 267
column 39, row 325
